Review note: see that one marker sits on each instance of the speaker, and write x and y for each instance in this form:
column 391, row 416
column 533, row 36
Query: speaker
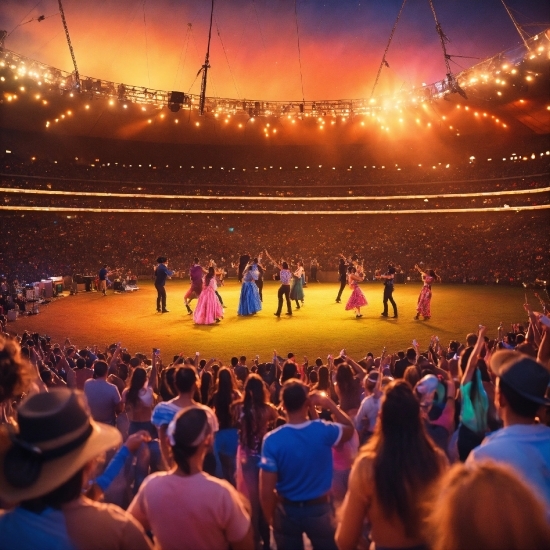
column 176, row 97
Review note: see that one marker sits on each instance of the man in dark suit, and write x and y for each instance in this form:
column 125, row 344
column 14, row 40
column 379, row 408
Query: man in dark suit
column 342, row 274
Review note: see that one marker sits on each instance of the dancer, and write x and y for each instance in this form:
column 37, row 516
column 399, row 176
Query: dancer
column 243, row 262
column 297, row 290
column 425, row 299
column 103, row 275
column 357, row 299
column 249, row 302
column 284, row 289
column 313, row 268
column 195, row 274
column 161, row 274
column 388, row 278
column 208, row 310
column 219, row 273
column 260, row 280
column 342, row 277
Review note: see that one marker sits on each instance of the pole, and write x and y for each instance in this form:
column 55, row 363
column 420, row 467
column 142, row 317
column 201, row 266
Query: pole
column 206, row 66
column 76, row 74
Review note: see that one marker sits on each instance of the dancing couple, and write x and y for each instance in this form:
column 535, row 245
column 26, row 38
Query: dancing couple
column 284, row 290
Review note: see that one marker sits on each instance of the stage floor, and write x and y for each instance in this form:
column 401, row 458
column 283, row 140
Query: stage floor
column 319, row 328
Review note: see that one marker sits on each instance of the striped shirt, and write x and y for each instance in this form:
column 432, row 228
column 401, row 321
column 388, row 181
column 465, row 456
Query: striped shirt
column 286, row 276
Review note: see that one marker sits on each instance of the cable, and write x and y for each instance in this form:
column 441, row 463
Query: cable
column 259, row 26
column 146, row 45
column 227, row 59
column 26, row 15
column 384, row 62
column 299, row 52
column 186, row 44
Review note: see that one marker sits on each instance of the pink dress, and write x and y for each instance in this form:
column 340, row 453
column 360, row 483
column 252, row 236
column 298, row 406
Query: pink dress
column 357, row 298
column 208, row 306
column 425, row 298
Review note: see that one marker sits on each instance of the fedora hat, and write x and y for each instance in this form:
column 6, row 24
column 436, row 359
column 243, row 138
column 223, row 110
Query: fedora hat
column 56, row 437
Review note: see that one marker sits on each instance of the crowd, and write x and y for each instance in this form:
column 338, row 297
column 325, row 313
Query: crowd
column 465, row 247
column 398, row 177
column 446, row 447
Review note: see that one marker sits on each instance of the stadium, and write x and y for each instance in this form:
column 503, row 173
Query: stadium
column 139, row 141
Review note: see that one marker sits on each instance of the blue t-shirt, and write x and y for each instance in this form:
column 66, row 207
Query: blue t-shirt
column 301, row 455
column 103, row 274
column 26, row 530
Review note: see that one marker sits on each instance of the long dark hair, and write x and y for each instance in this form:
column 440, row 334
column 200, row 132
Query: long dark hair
column 206, row 383
column 211, row 273
column 190, row 423
column 290, row 370
column 406, row 460
column 139, row 377
column 223, row 398
column 254, row 402
column 167, row 389
column 344, row 378
column 324, row 379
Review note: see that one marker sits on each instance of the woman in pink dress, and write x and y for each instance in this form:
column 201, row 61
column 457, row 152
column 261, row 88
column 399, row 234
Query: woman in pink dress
column 208, row 310
column 357, row 299
column 425, row 299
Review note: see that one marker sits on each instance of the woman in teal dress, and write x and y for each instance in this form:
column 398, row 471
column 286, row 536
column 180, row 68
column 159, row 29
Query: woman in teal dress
column 297, row 290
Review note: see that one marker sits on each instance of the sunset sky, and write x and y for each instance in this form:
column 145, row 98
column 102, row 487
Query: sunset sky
column 149, row 43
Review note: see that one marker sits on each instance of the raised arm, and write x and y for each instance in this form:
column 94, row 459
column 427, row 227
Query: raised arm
column 474, row 357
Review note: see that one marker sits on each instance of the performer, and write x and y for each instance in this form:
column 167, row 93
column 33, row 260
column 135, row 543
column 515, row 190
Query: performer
column 218, row 273
column 297, row 290
column 208, row 310
column 161, row 274
column 284, row 290
column 313, row 268
column 103, row 273
column 243, row 262
column 249, row 301
column 260, row 280
column 425, row 299
column 357, row 299
column 388, row 279
column 342, row 277
column 195, row 274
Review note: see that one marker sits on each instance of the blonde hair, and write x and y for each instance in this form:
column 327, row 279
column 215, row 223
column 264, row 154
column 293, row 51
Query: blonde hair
column 486, row 505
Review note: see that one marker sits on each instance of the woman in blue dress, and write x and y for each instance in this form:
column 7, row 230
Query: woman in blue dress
column 249, row 302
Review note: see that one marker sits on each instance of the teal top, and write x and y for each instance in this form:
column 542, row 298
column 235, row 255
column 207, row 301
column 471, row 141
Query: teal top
column 474, row 413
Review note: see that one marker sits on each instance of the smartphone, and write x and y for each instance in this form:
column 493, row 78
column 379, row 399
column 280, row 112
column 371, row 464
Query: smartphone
column 156, row 351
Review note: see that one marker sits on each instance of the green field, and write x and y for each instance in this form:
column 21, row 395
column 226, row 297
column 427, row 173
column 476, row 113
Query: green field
column 320, row 328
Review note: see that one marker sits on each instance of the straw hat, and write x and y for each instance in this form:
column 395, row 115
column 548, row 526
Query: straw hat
column 57, row 437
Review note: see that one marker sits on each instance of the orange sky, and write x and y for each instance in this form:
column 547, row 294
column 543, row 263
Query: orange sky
column 341, row 43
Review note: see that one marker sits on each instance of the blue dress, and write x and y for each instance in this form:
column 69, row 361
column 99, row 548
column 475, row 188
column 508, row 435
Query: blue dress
column 249, row 302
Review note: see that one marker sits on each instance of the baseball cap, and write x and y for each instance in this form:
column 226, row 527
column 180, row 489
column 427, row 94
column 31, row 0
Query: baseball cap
column 523, row 374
